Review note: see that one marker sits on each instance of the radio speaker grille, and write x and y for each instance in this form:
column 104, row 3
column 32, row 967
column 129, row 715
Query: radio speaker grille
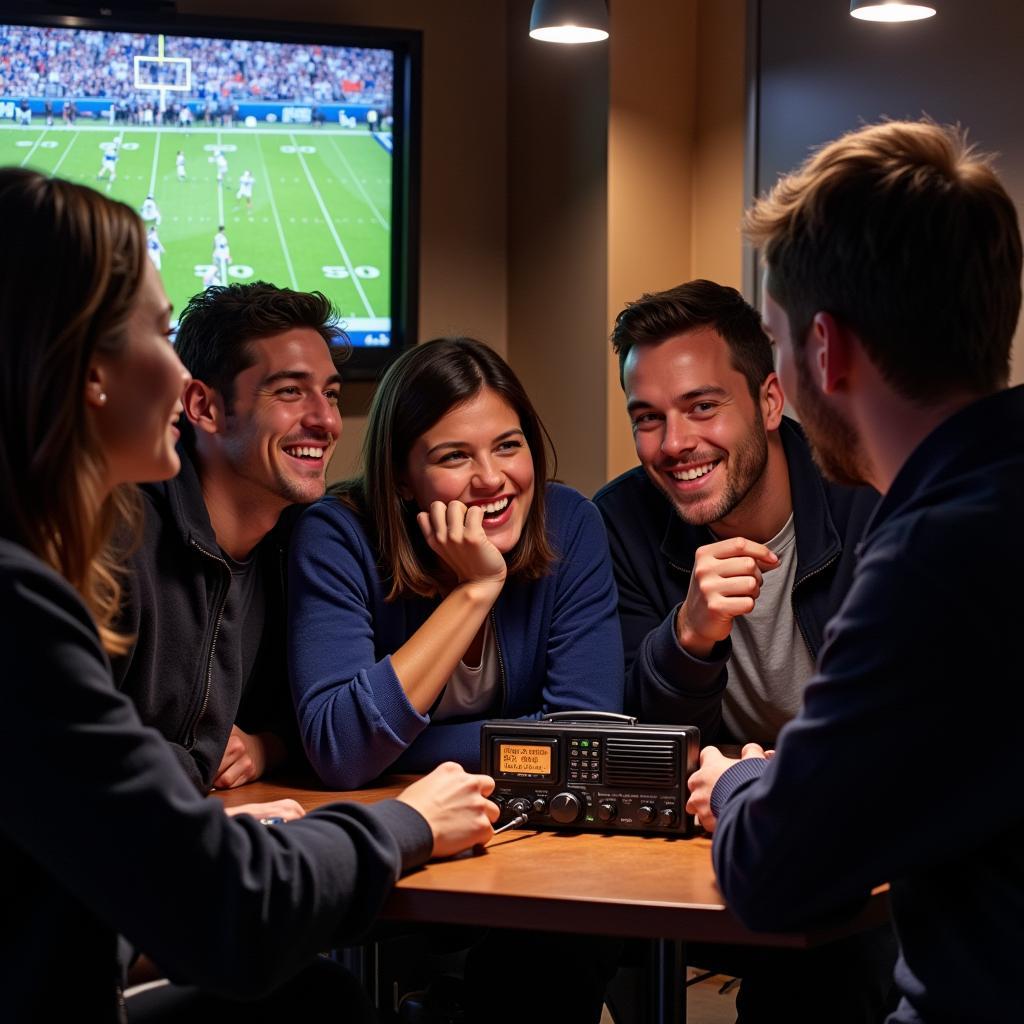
column 641, row 762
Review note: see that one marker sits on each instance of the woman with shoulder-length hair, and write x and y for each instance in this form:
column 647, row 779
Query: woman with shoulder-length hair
column 450, row 582
column 102, row 832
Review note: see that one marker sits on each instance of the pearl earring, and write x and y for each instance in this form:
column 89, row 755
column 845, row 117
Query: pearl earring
column 102, row 396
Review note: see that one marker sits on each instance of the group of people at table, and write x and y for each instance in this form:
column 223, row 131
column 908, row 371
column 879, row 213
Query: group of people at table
column 837, row 597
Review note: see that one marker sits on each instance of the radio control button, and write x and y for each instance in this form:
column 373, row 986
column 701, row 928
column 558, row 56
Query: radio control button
column 566, row 808
column 646, row 814
column 574, row 776
column 540, row 805
column 666, row 817
column 607, row 811
column 595, row 776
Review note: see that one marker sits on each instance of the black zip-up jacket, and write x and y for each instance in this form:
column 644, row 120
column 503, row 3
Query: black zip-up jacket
column 102, row 833
column 182, row 673
column 653, row 552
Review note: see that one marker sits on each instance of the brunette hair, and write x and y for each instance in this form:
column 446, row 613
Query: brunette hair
column 419, row 388
column 217, row 325
column 51, row 464
column 905, row 233
column 658, row 316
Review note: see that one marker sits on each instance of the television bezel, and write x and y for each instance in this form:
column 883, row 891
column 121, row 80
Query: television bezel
column 364, row 363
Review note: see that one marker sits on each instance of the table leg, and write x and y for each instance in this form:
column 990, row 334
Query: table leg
column 667, row 980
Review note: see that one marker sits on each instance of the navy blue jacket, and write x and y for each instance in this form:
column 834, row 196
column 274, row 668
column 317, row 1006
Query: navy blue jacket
column 883, row 776
column 102, row 832
column 653, row 552
column 558, row 642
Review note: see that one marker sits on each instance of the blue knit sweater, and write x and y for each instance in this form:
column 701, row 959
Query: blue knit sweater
column 558, row 638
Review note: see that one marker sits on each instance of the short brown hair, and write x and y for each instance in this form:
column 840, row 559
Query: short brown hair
column 658, row 316
column 218, row 324
column 905, row 233
column 419, row 388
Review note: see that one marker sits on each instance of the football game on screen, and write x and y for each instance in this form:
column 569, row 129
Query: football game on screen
column 246, row 160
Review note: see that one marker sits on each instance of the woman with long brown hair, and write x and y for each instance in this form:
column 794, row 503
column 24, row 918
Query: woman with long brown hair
column 450, row 582
column 102, row 832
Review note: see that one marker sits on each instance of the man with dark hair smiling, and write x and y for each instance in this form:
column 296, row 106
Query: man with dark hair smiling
column 730, row 551
column 730, row 555
column 893, row 286
column 208, row 668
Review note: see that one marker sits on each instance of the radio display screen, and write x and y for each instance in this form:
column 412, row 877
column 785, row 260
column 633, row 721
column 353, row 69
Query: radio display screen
column 525, row 760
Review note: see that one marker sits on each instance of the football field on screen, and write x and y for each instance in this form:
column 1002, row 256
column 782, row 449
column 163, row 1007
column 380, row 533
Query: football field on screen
column 321, row 203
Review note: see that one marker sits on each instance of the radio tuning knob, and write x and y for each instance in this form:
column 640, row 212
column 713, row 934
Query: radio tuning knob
column 607, row 811
column 540, row 805
column 566, row 808
column 646, row 813
column 666, row 817
column 520, row 805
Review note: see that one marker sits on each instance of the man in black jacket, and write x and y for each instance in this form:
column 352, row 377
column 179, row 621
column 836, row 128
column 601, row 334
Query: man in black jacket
column 206, row 589
column 731, row 553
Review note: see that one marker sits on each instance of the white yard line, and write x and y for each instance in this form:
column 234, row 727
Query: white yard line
column 359, row 185
column 28, row 155
column 330, row 224
column 156, row 157
column 67, row 149
column 277, row 219
column 220, row 189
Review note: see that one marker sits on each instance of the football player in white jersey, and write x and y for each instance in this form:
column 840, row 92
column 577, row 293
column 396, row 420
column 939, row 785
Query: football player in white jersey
column 153, row 246
column 150, row 212
column 245, row 184
column 221, row 254
column 179, row 163
column 108, row 168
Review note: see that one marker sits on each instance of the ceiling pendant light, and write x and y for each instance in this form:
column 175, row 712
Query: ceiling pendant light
column 569, row 21
column 891, row 10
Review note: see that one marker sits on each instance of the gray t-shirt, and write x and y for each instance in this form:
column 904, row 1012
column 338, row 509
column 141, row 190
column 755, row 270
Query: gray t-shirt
column 472, row 689
column 770, row 663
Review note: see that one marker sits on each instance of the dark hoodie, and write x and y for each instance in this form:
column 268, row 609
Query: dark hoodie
column 199, row 665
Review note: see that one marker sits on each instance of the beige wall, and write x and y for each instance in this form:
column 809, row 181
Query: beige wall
column 675, row 160
column 558, row 240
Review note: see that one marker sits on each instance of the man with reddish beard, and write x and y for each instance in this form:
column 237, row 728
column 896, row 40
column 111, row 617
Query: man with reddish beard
column 893, row 287
column 730, row 554
column 206, row 590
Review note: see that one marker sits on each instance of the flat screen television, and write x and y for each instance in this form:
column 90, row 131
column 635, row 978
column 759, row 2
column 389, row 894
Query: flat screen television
column 253, row 150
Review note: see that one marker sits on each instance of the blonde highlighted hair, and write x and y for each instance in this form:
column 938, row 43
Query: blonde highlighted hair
column 66, row 290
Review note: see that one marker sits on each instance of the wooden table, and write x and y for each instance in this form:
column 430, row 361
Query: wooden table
column 629, row 886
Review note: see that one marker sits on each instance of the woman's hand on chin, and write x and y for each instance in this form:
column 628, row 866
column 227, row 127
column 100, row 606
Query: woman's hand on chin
column 456, row 535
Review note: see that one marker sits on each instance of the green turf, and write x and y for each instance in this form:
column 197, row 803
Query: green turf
column 327, row 208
